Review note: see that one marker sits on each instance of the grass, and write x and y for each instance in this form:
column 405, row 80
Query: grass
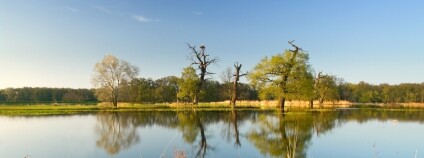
column 63, row 109
column 12, row 110
column 69, row 109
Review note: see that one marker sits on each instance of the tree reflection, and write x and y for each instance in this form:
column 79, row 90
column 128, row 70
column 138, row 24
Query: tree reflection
column 234, row 120
column 272, row 133
column 284, row 135
column 116, row 132
column 191, row 126
column 231, row 128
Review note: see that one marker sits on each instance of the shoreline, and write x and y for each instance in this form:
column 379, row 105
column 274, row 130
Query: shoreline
column 71, row 109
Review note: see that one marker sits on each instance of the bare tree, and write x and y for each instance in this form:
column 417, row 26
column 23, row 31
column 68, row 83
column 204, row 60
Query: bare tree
column 109, row 75
column 226, row 77
column 237, row 76
column 202, row 60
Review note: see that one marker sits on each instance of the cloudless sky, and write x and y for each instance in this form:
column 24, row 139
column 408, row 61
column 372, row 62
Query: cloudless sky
column 51, row 43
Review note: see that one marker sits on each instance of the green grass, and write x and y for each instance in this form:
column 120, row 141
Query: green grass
column 54, row 109
column 69, row 109
column 12, row 110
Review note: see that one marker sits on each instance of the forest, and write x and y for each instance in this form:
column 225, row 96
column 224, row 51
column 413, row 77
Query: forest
column 165, row 90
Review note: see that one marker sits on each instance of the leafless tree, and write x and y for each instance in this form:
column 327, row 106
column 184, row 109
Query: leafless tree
column 202, row 61
column 237, row 76
column 226, row 77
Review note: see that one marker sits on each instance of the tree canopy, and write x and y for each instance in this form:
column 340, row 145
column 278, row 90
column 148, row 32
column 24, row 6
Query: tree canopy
column 279, row 76
column 110, row 75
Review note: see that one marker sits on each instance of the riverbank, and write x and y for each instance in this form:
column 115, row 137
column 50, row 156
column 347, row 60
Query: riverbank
column 63, row 109
column 69, row 109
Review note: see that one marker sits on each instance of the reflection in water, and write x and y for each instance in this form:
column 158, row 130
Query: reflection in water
column 231, row 130
column 116, row 131
column 191, row 126
column 284, row 135
column 273, row 134
column 287, row 135
column 234, row 120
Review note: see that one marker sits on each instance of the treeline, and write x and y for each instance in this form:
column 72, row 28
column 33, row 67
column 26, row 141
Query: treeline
column 174, row 89
column 166, row 90
column 383, row 93
column 140, row 90
column 46, row 95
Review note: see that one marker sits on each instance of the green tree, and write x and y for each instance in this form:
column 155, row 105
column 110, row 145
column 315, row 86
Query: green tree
column 325, row 88
column 247, row 92
column 109, row 75
column 210, row 91
column 280, row 72
column 167, row 89
column 188, row 84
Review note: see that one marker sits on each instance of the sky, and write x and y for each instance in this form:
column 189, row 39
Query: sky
column 51, row 43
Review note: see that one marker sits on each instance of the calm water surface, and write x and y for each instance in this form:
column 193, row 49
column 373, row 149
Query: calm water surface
column 247, row 134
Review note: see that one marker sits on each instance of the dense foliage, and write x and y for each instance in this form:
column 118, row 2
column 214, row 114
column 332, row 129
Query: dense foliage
column 175, row 89
column 284, row 76
column 46, row 95
column 142, row 90
column 383, row 93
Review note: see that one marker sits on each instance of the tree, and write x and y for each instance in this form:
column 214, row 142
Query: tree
column 325, row 88
column 210, row 91
column 188, row 84
column 237, row 76
column 226, row 86
column 202, row 60
column 167, row 89
column 280, row 72
column 109, row 75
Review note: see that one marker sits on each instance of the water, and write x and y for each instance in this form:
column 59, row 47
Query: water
column 251, row 134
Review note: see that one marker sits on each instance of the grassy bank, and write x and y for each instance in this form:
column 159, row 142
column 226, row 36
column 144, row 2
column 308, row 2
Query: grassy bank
column 53, row 109
column 67, row 109
column 40, row 109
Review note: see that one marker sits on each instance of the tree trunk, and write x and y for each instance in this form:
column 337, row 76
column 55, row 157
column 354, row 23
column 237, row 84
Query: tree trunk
column 234, row 97
column 195, row 99
column 281, row 103
column 115, row 100
column 311, row 104
column 321, row 101
column 115, row 103
column 237, row 76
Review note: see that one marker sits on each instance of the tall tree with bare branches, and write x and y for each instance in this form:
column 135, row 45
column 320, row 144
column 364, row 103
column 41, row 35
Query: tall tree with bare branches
column 202, row 61
column 237, row 76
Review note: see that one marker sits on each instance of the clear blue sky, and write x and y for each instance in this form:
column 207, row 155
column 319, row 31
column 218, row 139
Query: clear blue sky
column 51, row 43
